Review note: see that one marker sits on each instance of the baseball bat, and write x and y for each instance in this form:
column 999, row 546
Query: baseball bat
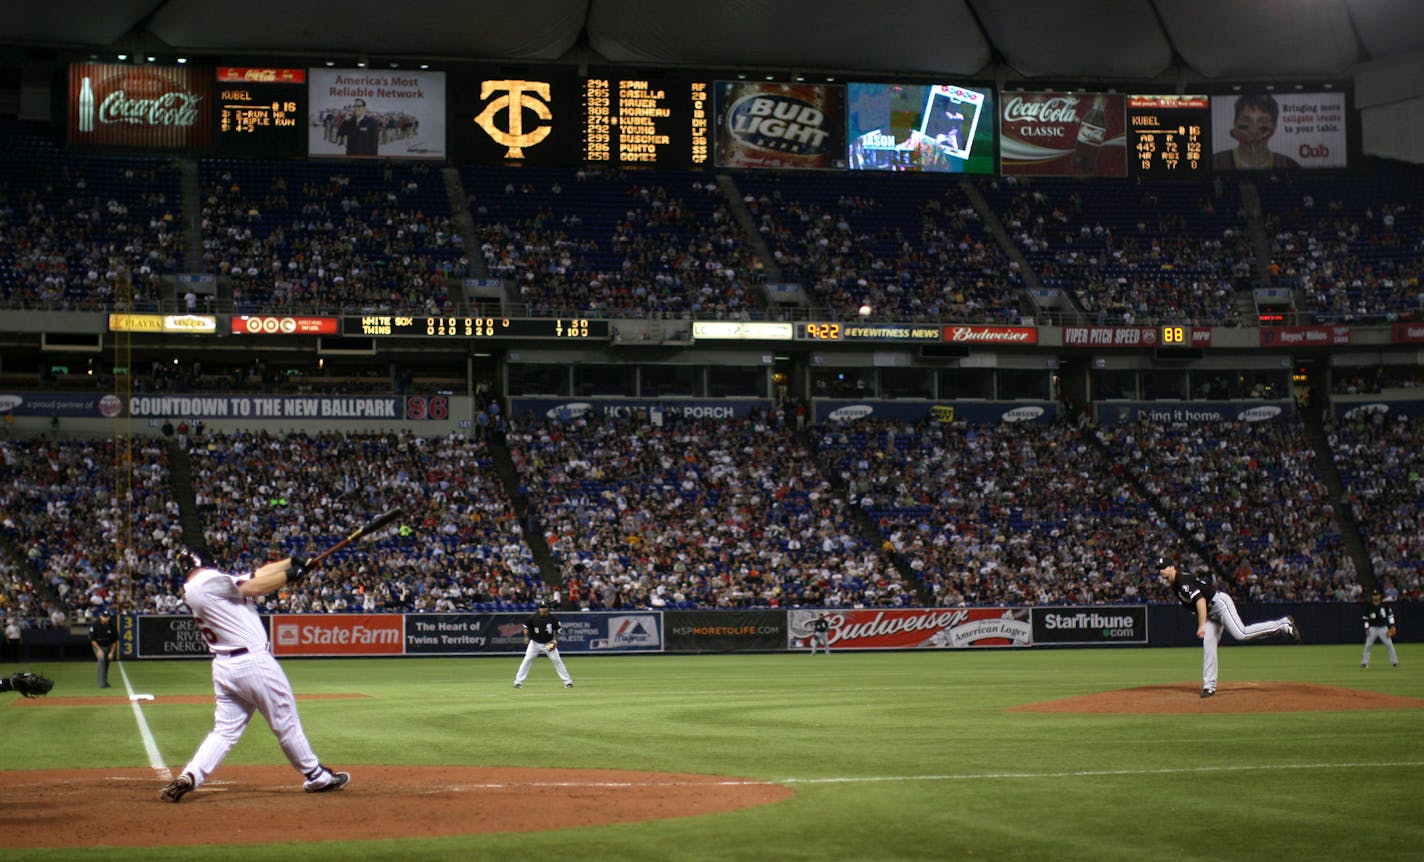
column 380, row 522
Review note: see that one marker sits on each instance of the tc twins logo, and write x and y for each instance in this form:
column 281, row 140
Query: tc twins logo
column 519, row 96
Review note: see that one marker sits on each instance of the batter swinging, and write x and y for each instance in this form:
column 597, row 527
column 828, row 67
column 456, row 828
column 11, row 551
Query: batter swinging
column 246, row 678
column 1215, row 611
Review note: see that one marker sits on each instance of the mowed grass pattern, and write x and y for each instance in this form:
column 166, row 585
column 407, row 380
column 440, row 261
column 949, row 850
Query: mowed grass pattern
column 911, row 755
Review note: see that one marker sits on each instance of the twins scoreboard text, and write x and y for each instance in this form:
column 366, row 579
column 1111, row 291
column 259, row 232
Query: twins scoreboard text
column 578, row 329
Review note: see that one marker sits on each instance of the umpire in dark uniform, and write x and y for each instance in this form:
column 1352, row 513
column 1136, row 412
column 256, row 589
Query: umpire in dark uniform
column 104, row 640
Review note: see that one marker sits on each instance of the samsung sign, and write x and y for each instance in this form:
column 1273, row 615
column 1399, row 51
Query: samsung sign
column 1092, row 625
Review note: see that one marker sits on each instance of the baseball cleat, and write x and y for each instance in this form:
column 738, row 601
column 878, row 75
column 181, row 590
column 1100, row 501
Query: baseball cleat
column 1292, row 630
column 338, row 781
column 519, row 685
column 176, row 789
column 1362, row 664
column 1208, row 692
column 568, row 685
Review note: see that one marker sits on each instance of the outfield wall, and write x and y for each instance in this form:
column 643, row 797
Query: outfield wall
column 721, row 631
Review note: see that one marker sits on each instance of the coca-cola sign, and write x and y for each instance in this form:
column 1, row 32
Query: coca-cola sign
column 1065, row 134
column 140, row 106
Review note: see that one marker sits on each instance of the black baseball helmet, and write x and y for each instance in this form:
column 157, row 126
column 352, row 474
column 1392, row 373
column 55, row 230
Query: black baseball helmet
column 1163, row 562
column 185, row 561
column 541, row 604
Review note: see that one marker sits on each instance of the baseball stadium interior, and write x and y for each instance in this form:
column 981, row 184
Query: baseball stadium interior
column 686, row 358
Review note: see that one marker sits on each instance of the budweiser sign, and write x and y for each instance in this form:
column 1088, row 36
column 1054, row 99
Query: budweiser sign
column 929, row 628
column 140, row 106
column 991, row 334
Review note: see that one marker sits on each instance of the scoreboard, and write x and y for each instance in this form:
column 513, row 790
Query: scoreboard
column 1167, row 134
column 640, row 119
column 562, row 329
column 261, row 112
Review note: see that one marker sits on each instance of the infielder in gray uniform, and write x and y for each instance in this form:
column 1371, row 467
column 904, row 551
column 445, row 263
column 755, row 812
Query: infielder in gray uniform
column 1379, row 626
column 1215, row 612
column 246, row 678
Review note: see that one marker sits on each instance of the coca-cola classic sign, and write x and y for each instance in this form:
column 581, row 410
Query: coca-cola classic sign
column 168, row 107
column 1063, row 134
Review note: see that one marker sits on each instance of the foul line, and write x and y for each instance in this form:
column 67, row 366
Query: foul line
column 962, row 776
column 150, row 745
column 1091, row 773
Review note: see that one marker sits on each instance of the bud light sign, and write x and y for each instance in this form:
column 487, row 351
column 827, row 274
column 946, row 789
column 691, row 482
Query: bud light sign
column 771, row 125
column 167, row 107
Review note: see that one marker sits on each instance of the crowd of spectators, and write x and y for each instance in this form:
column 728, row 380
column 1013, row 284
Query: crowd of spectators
column 728, row 513
column 1007, row 514
column 1352, row 247
column 85, row 531
column 911, row 251
column 458, row 544
column 353, row 237
column 697, row 513
column 1381, row 462
column 84, row 232
column 1129, row 254
column 610, row 243
column 1252, row 494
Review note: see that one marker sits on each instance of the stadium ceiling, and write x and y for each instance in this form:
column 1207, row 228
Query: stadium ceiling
column 994, row 39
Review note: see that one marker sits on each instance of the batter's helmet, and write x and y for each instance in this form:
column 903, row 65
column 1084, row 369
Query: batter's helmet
column 185, row 561
column 541, row 604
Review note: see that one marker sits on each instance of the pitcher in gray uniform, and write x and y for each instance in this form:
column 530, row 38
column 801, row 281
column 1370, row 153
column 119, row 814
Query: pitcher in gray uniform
column 1215, row 612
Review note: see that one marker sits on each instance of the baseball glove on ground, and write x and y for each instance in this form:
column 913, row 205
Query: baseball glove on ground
column 31, row 684
column 1393, row 631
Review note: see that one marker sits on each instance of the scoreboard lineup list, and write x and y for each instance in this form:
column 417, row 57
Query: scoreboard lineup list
column 629, row 121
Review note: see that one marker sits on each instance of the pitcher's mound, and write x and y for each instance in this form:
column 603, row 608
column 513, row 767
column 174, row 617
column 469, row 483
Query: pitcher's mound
column 1236, row 697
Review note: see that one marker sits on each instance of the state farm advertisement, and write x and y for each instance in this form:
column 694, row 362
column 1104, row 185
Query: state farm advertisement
column 338, row 634
column 168, row 107
column 933, row 628
column 1063, row 134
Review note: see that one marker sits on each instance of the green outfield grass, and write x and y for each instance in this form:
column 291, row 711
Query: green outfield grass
column 891, row 755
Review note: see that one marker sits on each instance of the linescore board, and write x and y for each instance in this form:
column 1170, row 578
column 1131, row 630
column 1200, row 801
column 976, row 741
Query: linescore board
column 261, row 113
column 659, row 120
column 563, row 329
column 1167, row 136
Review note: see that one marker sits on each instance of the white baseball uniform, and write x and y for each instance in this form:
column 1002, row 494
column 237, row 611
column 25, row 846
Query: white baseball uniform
column 246, row 677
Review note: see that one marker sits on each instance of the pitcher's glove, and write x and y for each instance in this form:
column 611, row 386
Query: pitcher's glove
column 1392, row 632
column 31, row 684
